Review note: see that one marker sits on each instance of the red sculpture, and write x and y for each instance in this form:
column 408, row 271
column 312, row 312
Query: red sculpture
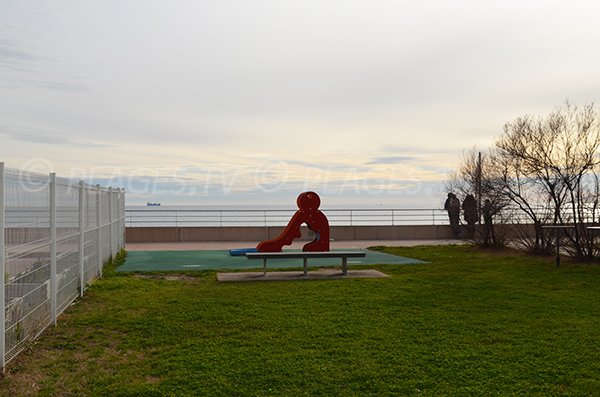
column 308, row 204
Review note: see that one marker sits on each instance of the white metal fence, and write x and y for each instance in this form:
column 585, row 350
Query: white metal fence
column 55, row 236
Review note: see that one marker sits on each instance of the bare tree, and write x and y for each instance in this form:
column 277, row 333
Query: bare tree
column 529, row 207
column 556, row 153
column 590, row 210
column 546, row 168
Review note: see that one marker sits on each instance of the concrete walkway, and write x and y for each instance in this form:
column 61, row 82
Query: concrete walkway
column 225, row 245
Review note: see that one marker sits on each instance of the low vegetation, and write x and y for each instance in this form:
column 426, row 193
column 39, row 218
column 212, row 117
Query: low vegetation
column 470, row 322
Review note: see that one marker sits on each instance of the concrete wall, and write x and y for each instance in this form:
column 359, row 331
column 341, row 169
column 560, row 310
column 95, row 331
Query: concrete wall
column 338, row 233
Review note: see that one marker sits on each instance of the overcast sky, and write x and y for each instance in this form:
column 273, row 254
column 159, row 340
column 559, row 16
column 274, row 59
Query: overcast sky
column 226, row 102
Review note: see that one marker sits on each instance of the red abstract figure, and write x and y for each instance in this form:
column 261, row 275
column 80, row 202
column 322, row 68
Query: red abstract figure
column 308, row 204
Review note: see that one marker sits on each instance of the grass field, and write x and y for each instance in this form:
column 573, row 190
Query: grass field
column 467, row 323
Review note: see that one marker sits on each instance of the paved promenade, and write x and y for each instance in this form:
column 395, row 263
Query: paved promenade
column 224, row 245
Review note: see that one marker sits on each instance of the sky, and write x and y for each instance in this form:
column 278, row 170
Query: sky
column 368, row 103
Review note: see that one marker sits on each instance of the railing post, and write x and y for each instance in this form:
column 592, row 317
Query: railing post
column 53, row 289
column 110, row 222
column 392, row 217
column 351, row 218
column 2, row 273
column 81, row 236
column 98, row 223
column 433, row 217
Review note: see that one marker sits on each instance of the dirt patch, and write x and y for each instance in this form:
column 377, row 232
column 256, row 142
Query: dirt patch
column 321, row 274
column 501, row 251
column 23, row 377
column 168, row 277
column 48, row 368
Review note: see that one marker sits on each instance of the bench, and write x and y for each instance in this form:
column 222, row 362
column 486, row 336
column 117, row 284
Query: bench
column 344, row 255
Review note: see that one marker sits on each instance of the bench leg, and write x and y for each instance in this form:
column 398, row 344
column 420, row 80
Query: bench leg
column 264, row 266
column 305, row 266
column 344, row 265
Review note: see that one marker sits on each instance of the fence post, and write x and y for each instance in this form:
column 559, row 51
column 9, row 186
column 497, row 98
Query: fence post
column 53, row 289
column 99, row 236
column 81, row 236
column 122, row 217
column 119, row 219
column 124, row 206
column 2, row 272
column 110, row 221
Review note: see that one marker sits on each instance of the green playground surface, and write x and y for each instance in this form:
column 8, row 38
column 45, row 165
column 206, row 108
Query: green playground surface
column 150, row 261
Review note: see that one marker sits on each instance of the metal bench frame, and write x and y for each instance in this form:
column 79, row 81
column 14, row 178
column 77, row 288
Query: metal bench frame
column 344, row 255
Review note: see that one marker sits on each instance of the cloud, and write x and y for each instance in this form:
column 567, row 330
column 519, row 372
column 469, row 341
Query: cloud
column 44, row 84
column 323, row 166
column 273, row 90
column 35, row 135
column 16, row 60
column 392, row 160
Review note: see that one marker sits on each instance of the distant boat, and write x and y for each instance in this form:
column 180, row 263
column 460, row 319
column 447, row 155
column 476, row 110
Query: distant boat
column 149, row 204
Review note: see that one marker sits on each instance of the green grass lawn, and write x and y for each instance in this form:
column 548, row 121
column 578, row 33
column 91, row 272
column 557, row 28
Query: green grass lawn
column 467, row 323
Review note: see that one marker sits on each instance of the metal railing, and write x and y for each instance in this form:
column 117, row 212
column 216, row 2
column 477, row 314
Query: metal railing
column 55, row 236
column 186, row 217
column 199, row 217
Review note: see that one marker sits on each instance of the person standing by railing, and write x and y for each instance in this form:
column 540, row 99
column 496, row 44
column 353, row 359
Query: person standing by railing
column 452, row 205
column 470, row 214
column 488, row 213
